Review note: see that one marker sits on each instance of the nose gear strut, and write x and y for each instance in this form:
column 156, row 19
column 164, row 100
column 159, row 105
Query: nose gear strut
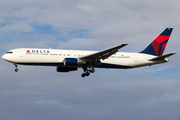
column 16, row 69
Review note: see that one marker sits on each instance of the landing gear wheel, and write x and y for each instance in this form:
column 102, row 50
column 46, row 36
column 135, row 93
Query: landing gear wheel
column 87, row 71
column 83, row 75
column 93, row 70
column 87, row 74
column 16, row 70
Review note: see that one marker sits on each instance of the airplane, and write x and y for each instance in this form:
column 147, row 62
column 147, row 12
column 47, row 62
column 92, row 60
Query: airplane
column 71, row 60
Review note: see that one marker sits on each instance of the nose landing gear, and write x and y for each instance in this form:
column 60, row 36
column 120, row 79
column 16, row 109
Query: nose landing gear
column 16, row 69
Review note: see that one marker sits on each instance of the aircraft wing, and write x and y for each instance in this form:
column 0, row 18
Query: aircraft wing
column 102, row 54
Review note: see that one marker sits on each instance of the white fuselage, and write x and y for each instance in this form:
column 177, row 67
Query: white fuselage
column 56, row 57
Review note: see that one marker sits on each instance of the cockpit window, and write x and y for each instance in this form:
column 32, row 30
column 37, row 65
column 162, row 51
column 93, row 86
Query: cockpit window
column 10, row 52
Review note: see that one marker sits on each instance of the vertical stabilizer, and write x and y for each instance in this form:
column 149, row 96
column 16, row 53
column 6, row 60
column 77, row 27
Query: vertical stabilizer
column 158, row 45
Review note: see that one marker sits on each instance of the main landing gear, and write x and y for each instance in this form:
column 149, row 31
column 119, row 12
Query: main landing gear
column 87, row 71
column 16, row 69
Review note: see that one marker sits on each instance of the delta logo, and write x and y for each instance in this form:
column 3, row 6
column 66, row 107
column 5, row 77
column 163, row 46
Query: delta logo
column 27, row 51
column 37, row 51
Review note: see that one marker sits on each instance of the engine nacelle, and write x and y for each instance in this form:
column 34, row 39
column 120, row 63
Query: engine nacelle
column 66, row 69
column 70, row 62
column 73, row 62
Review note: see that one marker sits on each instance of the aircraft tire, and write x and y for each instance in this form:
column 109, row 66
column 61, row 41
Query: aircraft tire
column 87, row 74
column 16, row 70
column 92, row 71
column 83, row 75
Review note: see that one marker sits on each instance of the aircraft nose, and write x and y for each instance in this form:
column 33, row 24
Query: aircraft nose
column 4, row 57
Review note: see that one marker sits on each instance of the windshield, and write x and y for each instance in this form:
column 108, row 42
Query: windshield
column 9, row 52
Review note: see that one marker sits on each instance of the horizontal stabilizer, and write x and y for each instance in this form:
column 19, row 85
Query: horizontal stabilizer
column 162, row 57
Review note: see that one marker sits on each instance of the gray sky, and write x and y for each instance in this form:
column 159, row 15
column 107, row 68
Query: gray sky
column 40, row 93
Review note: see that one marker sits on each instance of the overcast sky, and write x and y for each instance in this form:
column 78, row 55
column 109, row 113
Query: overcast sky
column 40, row 93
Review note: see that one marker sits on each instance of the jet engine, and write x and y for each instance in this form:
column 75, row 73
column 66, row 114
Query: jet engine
column 72, row 62
column 66, row 69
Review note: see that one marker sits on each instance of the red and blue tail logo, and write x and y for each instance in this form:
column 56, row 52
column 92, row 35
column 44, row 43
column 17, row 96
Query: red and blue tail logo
column 158, row 45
